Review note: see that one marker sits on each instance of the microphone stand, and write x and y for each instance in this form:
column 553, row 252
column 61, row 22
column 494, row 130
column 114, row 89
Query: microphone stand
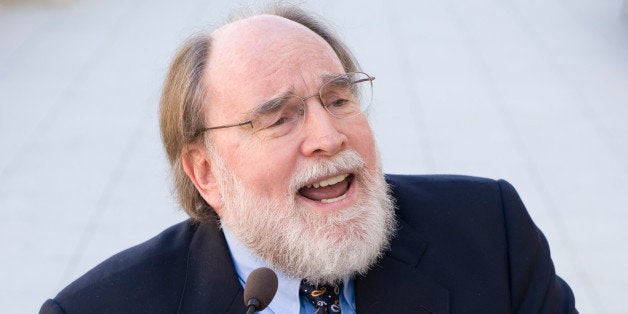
column 252, row 305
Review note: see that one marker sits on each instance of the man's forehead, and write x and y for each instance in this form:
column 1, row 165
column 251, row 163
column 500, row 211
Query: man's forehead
column 260, row 56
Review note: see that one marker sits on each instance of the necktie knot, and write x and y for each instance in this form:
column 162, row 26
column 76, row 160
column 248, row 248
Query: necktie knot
column 325, row 298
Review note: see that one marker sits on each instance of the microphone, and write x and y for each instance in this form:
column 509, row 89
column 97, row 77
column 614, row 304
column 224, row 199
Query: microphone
column 260, row 289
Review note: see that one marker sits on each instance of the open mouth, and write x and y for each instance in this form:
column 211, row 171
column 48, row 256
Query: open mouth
column 329, row 190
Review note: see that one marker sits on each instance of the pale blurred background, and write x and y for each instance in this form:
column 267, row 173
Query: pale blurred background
column 532, row 91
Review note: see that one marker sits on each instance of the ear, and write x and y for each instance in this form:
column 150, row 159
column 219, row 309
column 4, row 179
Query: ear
column 197, row 165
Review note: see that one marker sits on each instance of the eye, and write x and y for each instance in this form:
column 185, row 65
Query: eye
column 338, row 98
column 279, row 122
column 337, row 103
column 273, row 122
column 283, row 119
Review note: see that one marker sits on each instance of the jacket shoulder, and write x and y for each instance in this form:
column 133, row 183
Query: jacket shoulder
column 436, row 181
column 445, row 196
column 152, row 271
column 481, row 242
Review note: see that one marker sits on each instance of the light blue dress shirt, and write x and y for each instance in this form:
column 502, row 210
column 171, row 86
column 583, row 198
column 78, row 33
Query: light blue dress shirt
column 287, row 299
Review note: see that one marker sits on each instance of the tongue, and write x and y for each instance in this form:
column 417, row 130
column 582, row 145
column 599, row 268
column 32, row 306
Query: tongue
column 327, row 192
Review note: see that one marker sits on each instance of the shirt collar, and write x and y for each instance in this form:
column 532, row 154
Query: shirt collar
column 287, row 298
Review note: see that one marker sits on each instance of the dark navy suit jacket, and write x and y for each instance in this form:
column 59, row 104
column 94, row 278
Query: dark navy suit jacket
column 463, row 245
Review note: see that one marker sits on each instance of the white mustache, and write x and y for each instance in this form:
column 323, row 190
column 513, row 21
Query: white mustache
column 347, row 161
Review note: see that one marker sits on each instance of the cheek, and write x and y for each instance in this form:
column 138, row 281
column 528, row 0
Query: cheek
column 361, row 139
column 264, row 169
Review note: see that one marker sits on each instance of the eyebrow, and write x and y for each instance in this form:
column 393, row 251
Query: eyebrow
column 329, row 76
column 270, row 106
column 338, row 80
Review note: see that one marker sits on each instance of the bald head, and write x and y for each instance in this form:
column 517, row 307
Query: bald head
column 263, row 41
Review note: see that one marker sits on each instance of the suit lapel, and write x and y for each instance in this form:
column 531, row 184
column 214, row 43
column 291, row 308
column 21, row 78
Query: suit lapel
column 211, row 284
column 396, row 284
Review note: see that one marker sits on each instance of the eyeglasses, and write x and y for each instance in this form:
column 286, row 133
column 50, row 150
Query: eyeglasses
column 342, row 95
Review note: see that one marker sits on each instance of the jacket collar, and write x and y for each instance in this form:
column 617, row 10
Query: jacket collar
column 396, row 284
column 211, row 283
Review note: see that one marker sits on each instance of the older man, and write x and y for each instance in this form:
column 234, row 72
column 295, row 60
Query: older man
column 273, row 158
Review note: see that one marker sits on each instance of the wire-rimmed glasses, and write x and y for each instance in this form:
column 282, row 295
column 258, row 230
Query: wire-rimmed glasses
column 342, row 95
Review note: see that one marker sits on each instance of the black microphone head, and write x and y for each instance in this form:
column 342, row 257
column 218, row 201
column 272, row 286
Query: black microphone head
column 262, row 286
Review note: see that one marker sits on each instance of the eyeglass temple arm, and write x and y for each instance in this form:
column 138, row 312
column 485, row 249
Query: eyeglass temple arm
column 223, row 127
column 228, row 125
column 370, row 78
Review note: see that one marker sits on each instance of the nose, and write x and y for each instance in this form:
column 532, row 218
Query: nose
column 322, row 135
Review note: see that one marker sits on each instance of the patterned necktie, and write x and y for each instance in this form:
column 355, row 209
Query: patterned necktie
column 325, row 298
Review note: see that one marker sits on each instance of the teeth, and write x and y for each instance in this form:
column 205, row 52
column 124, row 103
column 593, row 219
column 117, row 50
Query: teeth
column 330, row 181
column 335, row 199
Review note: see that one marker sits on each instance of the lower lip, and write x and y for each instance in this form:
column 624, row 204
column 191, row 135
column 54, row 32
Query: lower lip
column 333, row 206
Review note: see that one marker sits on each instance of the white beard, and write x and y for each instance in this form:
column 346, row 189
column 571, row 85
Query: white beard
column 303, row 244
